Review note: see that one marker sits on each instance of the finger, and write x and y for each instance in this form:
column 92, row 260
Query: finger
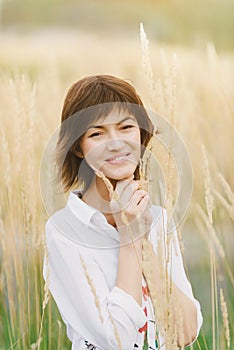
column 137, row 197
column 137, row 205
column 144, row 217
column 143, row 205
column 138, row 216
column 124, row 190
column 122, row 184
column 128, row 192
column 125, row 196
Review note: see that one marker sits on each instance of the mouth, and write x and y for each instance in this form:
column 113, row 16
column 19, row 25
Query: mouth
column 118, row 158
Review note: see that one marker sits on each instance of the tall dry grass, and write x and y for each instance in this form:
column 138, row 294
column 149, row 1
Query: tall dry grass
column 193, row 89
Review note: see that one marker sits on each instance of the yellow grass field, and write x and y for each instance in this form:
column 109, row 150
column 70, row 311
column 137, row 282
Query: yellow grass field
column 192, row 88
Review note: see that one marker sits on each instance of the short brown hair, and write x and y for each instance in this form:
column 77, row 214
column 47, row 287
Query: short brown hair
column 87, row 100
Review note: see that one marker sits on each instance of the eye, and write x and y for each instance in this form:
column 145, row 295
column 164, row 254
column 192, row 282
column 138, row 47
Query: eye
column 127, row 126
column 96, row 133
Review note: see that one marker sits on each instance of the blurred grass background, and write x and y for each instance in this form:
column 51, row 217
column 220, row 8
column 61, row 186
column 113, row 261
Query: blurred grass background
column 44, row 47
column 173, row 21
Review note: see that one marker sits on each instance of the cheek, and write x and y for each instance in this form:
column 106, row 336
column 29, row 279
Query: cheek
column 86, row 146
column 91, row 149
column 137, row 138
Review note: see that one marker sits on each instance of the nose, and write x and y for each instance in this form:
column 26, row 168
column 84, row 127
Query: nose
column 115, row 145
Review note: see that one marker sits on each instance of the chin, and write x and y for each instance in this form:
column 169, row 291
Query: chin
column 119, row 174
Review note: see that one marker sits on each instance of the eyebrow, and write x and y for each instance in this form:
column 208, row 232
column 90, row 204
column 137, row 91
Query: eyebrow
column 101, row 126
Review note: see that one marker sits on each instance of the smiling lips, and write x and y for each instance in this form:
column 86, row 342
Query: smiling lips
column 118, row 158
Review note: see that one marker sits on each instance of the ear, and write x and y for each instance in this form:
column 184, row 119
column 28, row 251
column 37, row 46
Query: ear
column 78, row 153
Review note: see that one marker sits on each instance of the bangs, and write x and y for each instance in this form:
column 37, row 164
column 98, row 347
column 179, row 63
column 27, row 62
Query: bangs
column 100, row 112
column 76, row 125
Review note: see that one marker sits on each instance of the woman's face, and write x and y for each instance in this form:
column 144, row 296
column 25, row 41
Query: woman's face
column 113, row 145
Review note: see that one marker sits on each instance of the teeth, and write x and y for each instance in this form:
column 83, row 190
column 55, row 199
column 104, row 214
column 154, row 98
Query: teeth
column 119, row 158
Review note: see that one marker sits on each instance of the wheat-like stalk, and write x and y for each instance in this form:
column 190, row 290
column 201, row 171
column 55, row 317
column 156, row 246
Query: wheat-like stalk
column 226, row 188
column 228, row 204
column 112, row 192
column 37, row 344
column 147, row 68
column 145, row 165
column 210, row 228
column 59, row 334
column 225, row 318
column 207, row 228
column 169, row 318
column 147, row 257
column 166, row 93
column 46, row 297
column 92, row 287
column 207, row 184
column 117, row 337
column 210, row 207
column 97, row 302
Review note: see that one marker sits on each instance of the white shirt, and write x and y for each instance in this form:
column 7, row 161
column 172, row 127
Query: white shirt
column 79, row 233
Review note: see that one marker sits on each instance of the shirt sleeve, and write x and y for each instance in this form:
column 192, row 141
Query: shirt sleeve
column 107, row 318
column 175, row 261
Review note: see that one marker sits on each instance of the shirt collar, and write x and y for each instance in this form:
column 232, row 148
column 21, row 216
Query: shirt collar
column 102, row 232
column 79, row 208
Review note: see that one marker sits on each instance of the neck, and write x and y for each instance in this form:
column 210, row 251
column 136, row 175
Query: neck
column 97, row 195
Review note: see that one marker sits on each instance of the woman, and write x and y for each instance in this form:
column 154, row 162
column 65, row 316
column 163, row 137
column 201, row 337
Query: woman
column 97, row 264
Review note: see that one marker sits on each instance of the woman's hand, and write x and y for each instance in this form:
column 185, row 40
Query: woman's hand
column 131, row 211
